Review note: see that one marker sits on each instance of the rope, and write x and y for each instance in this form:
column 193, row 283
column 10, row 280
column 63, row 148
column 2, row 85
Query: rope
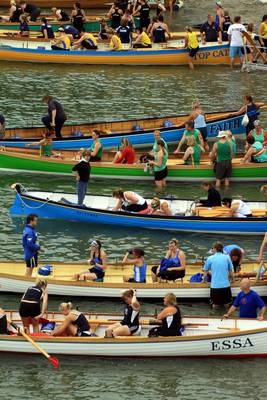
column 31, row 207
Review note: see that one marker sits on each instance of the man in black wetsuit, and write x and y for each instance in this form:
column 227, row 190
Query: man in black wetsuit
column 214, row 197
column 56, row 115
column 30, row 9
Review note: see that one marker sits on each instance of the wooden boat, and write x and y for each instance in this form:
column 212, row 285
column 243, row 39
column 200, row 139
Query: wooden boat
column 87, row 4
column 61, row 282
column 202, row 337
column 139, row 131
column 99, row 210
column 20, row 160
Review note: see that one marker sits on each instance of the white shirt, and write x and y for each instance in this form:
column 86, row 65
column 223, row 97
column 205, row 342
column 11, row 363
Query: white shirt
column 235, row 31
column 243, row 210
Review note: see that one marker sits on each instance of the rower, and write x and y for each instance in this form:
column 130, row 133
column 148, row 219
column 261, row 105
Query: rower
column 15, row 12
column 237, row 208
column 142, row 40
column 30, row 309
column 24, row 27
column 115, row 14
column 160, row 207
column 248, row 301
column 130, row 323
column 158, row 31
column 129, row 201
column 98, row 264
column 60, row 15
column 124, row 32
column 256, row 152
column 96, row 148
column 214, row 197
column 86, row 41
column 170, row 319
column 190, row 130
column 71, row 31
column 62, row 42
column 75, row 323
column 193, row 152
column 31, row 10
column 136, row 257
column 78, row 17
column 115, row 41
column 47, row 30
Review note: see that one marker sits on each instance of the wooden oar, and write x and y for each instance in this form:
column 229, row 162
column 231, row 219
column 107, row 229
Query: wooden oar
column 251, row 41
column 52, row 360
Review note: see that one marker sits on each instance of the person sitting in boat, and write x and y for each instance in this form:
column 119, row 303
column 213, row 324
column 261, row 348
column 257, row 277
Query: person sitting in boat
column 169, row 318
column 142, row 40
column 75, row 323
column 30, row 309
column 31, row 10
column 251, row 109
column 221, row 155
column 129, row 201
column 115, row 14
column 214, row 197
column 24, row 29
column 248, row 301
column 159, row 31
column 72, row 32
column 159, row 165
column 124, row 32
column 98, row 264
column 62, row 42
column 130, row 323
column 96, row 148
column 46, row 30
column 115, row 43
column 160, row 207
column 150, row 26
column 237, row 208
column 103, row 31
column 191, row 44
column 172, row 267
column 126, row 155
column 193, row 152
column 136, row 257
column 190, row 130
column 60, row 14
column 256, row 152
column 15, row 11
column 258, row 133
column 86, row 41
column 4, row 325
column 45, row 144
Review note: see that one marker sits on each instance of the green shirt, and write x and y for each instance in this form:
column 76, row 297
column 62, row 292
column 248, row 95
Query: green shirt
column 100, row 151
column 258, row 138
column 164, row 162
column 223, row 151
column 261, row 157
column 155, row 146
column 195, row 157
column 194, row 133
column 233, row 142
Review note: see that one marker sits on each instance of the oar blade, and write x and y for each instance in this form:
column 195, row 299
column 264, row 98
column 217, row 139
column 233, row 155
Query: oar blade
column 54, row 361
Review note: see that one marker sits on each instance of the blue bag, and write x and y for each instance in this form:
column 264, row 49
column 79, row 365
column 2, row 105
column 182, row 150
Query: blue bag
column 165, row 264
column 48, row 326
column 45, row 270
column 137, row 128
column 167, row 124
column 196, row 278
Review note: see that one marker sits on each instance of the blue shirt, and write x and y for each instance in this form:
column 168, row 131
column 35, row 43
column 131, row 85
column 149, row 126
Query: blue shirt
column 230, row 247
column 219, row 265
column 248, row 304
column 29, row 244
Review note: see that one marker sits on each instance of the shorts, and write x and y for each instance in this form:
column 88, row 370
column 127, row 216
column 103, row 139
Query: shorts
column 88, row 46
column 133, row 281
column 235, row 51
column 160, row 175
column 99, row 274
column 223, row 169
column 135, row 207
column 192, row 52
column 95, row 158
column 168, row 275
column 27, row 310
column 221, row 296
column 32, row 262
column 204, row 133
column 248, row 50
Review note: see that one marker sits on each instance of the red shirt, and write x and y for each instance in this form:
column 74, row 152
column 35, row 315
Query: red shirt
column 127, row 156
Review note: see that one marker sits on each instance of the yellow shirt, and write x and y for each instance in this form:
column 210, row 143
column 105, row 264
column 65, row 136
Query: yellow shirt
column 145, row 39
column 263, row 30
column 91, row 39
column 65, row 42
column 111, row 44
column 192, row 40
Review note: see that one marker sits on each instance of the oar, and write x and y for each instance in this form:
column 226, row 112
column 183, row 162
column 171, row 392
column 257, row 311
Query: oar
column 52, row 360
column 251, row 41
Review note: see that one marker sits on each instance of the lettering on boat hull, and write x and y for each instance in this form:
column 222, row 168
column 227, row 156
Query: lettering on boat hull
column 230, row 344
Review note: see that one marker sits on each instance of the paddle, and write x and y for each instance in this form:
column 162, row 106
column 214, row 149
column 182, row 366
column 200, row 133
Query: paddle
column 52, row 360
column 251, row 41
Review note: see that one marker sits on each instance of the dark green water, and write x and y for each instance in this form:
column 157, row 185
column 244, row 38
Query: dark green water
column 103, row 93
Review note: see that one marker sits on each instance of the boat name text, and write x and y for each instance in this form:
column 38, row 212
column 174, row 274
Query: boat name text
column 229, row 344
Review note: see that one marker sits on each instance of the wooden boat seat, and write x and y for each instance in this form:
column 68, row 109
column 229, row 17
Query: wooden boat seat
column 222, row 212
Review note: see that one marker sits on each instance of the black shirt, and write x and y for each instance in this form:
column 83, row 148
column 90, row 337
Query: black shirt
column 55, row 105
column 213, row 200
column 211, row 31
column 30, row 8
column 83, row 168
column 124, row 33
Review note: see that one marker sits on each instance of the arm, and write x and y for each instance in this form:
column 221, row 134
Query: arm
column 45, row 302
column 262, row 248
column 166, row 312
column 261, row 314
column 166, row 208
column 135, row 303
column 203, row 36
column 78, row 42
column 179, row 145
column 167, row 30
column 121, row 158
column 220, row 37
column 186, row 41
column 201, row 140
column 61, row 329
column 159, row 162
column 240, row 112
column 213, row 152
column 54, row 113
column 137, row 39
column 231, row 310
column 233, row 209
column 118, row 206
column 104, row 261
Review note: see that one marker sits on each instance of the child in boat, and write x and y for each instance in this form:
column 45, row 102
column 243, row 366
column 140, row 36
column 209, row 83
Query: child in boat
column 136, row 257
column 75, row 323
column 130, row 323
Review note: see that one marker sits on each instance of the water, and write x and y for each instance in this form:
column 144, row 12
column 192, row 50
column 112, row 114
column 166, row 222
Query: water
column 109, row 93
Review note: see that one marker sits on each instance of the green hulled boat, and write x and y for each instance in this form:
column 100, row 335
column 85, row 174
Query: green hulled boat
column 32, row 163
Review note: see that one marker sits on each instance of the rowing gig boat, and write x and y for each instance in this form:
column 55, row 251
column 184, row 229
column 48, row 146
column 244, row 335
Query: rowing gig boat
column 202, row 337
column 99, row 210
column 61, row 282
column 21, row 161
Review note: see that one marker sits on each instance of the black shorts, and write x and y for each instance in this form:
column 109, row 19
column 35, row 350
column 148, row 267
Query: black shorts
column 133, row 281
column 141, row 46
column 32, row 262
column 192, row 52
column 29, row 309
column 99, row 274
column 88, row 46
column 95, row 158
column 135, row 207
column 160, row 175
column 221, row 296
column 171, row 275
column 223, row 169
column 204, row 133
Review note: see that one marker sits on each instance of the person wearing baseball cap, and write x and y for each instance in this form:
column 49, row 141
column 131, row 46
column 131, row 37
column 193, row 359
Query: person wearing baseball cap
column 62, row 42
column 221, row 155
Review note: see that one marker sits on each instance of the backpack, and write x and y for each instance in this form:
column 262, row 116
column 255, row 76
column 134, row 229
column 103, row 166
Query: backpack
column 196, row 278
column 165, row 264
column 45, row 270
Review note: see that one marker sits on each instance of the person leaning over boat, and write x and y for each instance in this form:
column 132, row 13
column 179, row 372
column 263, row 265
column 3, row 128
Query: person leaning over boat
column 24, row 29
column 86, row 41
column 256, row 152
column 248, row 301
column 82, row 174
column 160, row 165
column 129, row 201
column 15, row 11
column 237, row 208
column 126, row 155
column 62, row 41
column 60, row 15
column 130, row 323
column 31, row 10
column 258, row 133
column 142, row 41
column 75, row 323
column 214, row 197
column 193, row 152
column 98, row 264
column 45, row 144
column 221, row 155
column 251, row 109
column 159, row 207
column 169, row 318
column 47, row 30
column 220, row 266
column 210, row 31
column 78, row 17
column 30, row 309
column 56, row 115
column 115, row 41
column 172, row 267
column 236, row 253
column 191, row 44
column 96, row 148
column 30, row 245
column 135, row 257
column 190, row 130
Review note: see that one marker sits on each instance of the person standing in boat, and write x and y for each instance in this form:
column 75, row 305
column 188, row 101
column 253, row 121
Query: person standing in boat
column 220, row 266
column 130, row 323
column 82, row 175
column 221, row 155
column 160, row 165
column 161, row 9
column 210, row 31
column 191, row 44
column 219, row 13
column 30, row 309
column 98, row 264
column 78, row 17
column 169, row 318
column 56, row 115
column 47, row 30
column 237, row 208
column 193, row 152
column 256, row 152
column 31, row 10
column 142, row 9
column 126, row 155
column 75, row 323
column 214, row 197
column 251, row 109
column 136, row 257
column 129, row 201
column 226, row 23
column 30, row 245
column 96, row 148
column 190, row 130
column 86, row 41
column 159, row 30
column 15, row 12
column 249, row 302
column 60, row 15
column 115, row 14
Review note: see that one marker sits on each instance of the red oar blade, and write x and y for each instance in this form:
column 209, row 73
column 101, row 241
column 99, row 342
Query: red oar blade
column 54, row 361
